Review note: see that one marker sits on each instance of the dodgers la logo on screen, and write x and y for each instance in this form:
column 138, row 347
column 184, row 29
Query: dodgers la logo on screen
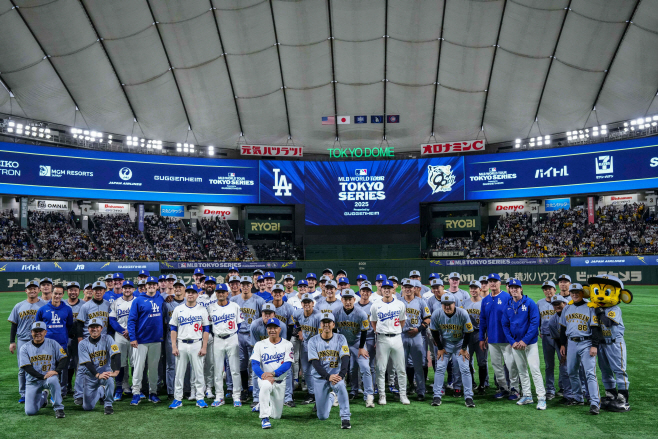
column 281, row 184
column 440, row 178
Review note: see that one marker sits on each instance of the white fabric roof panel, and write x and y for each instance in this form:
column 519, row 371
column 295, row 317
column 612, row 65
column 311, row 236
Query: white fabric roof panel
column 594, row 31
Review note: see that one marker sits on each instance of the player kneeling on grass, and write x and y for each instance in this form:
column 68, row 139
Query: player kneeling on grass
column 452, row 330
column 329, row 354
column 100, row 362
column 190, row 325
column 271, row 360
column 520, row 325
column 43, row 361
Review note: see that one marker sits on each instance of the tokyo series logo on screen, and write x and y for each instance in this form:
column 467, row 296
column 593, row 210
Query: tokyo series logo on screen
column 440, row 178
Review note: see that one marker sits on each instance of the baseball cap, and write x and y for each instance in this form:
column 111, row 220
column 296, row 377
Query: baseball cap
column 98, row 284
column 87, row 286
column 555, row 300
column 514, row 282
column 436, row 281
column 234, row 279
column 162, row 277
column 269, row 275
column 407, row 283
column 46, row 280
column 306, row 298
column 393, row 279
column 576, row 287
column 447, row 298
column 413, row 273
column 288, row 277
column 606, row 279
column 109, row 277
column 260, row 278
column 72, row 284
column 362, row 277
column 95, row 322
column 192, row 288
column 128, row 283
column 151, row 280
column 417, row 283
column 548, row 283
column 211, row 279
column 341, row 271
column 475, row 283
column 347, row 292
column 454, row 275
column 141, row 282
column 144, row 273
column 171, row 276
column 233, row 269
column 198, row 271
column 381, row 277
column 246, row 280
column 268, row 307
column 366, row 286
column 222, row 287
column 119, row 276
column 331, row 283
column 273, row 321
column 387, row 283
column 302, row 282
column 328, row 270
column 278, row 287
column 311, row 276
column 328, row 316
column 38, row 326
column 564, row 276
column 494, row 276
column 482, row 279
column 323, row 278
column 343, row 280
column 178, row 281
column 433, row 276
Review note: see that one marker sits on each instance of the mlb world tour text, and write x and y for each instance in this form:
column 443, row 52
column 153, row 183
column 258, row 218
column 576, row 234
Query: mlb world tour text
column 361, row 152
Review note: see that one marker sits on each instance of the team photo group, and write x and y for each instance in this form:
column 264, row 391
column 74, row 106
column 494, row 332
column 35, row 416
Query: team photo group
column 250, row 340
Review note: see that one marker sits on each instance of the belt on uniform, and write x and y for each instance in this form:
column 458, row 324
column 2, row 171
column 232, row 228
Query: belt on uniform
column 224, row 337
column 389, row 335
column 579, row 339
column 610, row 341
column 189, row 341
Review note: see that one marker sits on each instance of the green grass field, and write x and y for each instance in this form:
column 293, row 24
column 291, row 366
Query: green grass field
column 490, row 418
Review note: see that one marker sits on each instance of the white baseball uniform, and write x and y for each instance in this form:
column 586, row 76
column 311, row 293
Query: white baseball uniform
column 120, row 310
column 389, row 342
column 271, row 357
column 208, row 366
column 189, row 323
column 225, row 320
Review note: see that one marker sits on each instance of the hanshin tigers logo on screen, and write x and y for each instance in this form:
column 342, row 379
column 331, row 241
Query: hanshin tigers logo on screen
column 440, row 178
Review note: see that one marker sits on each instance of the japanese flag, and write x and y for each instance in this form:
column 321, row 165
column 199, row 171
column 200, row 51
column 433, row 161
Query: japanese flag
column 344, row 119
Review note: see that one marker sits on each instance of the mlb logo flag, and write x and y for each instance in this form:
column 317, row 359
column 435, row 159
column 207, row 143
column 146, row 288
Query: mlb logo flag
column 231, row 174
column 492, row 169
column 393, row 119
column 360, row 172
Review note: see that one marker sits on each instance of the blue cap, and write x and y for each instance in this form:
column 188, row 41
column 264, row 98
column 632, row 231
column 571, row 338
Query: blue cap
column 260, row 277
column 211, row 279
column 198, row 271
column 233, row 269
column 302, row 282
column 494, row 276
column 362, row 277
column 222, row 287
column 434, row 276
column 119, row 276
column 387, row 283
column 380, row 277
column 327, row 316
column 128, row 283
column 38, row 326
column 514, row 282
column 151, row 280
column 269, row 274
column 273, row 321
column 343, row 280
column 144, row 273
column 192, row 288
column 311, row 276
column 162, row 277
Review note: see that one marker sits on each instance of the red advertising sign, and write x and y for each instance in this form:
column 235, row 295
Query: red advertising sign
column 271, row 151
column 590, row 209
column 452, row 147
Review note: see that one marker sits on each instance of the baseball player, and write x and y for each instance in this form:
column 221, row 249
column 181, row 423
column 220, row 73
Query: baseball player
column 564, row 283
column 284, row 313
column 190, row 326
column 143, row 275
column 289, row 285
column 271, row 360
column 110, row 295
column 206, row 298
column 365, row 304
column 388, row 317
column 359, row 280
column 170, row 371
column 43, row 360
column 46, row 287
column 296, row 302
column 329, row 354
column 118, row 284
column 455, row 279
column 141, row 288
column 417, row 322
column 21, row 319
column 307, row 325
column 473, row 306
column 146, row 331
column 484, row 289
column 250, row 306
column 353, row 324
column 520, row 324
column 226, row 319
column 87, row 292
column 119, row 312
column 73, row 292
column 233, row 271
column 234, row 285
column 451, row 329
column 415, row 275
column 162, row 284
column 313, row 285
column 328, row 273
column 559, row 302
column 549, row 348
column 580, row 331
column 493, row 337
column 329, row 303
column 100, row 362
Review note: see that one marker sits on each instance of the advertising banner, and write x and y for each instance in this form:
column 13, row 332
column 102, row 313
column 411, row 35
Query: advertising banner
column 257, row 227
column 109, row 207
column 140, row 217
column 452, row 147
column 498, row 208
column 224, row 212
column 611, row 261
column 459, row 224
column 502, row 261
column 176, row 211
column 281, row 182
column 620, row 200
column 590, row 210
column 557, row 204
column 27, row 267
column 51, row 205
column 271, row 151
column 225, row 265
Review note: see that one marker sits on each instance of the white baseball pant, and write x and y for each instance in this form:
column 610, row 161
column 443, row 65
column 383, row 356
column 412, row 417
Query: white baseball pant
column 391, row 347
column 297, row 349
column 209, row 366
column 189, row 353
column 501, row 355
column 529, row 358
column 144, row 352
column 224, row 348
column 127, row 353
column 270, row 398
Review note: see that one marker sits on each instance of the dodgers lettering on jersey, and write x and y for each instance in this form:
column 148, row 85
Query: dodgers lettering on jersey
column 92, row 310
column 189, row 321
column 43, row 358
column 613, row 332
column 366, row 309
column 473, row 310
column 98, row 353
column 258, row 332
column 309, row 326
column 388, row 316
column 417, row 311
column 350, row 325
column 323, row 306
column 329, row 352
column 452, row 328
column 120, row 310
column 272, row 356
column 578, row 319
column 225, row 319
column 546, row 311
column 250, row 310
column 23, row 315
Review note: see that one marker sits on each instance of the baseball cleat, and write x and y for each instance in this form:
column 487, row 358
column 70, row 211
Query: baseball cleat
column 576, row 402
column 449, row 386
column 290, row 404
column 142, row 396
column 352, row 395
column 176, row 404
column 345, row 423
column 335, row 397
column 370, row 401
column 154, row 398
column 420, row 397
column 108, row 410
column 392, row 389
column 514, row 395
column 265, row 423
column 134, row 401
column 404, row 400
column 501, row 394
column 209, row 394
column 382, row 399
column 541, row 405
column 594, row 409
column 254, row 404
column 201, row 404
column 436, row 401
column 59, row 414
column 237, row 403
column 21, row 400
column 255, row 408
column 550, row 396
column 192, row 397
column 469, row 402
column 218, row 403
column 310, row 399
column 78, row 401
column 457, row 393
column 118, row 396
column 525, row 400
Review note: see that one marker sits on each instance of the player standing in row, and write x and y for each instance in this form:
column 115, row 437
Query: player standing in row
column 169, row 307
column 73, row 292
column 284, row 312
column 417, row 321
column 119, row 312
column 473, row 306
column 549, row 348
column 307, row 323
column 564, row 283
column 329, row 303
column 364, row 304
column 205, row 299
column 559, row 302
column 46, row 287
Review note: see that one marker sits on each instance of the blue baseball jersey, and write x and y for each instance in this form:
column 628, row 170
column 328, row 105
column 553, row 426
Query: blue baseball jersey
column 452, row 328
column 329, row 352
column 111, row 296
column 323, row 306
column 43, row 358
column 417, row 311
column 99, row 353
column 366, row 308
column 146, row 319
column 491, row 317
column 473, row 310
column 350, row 325
column 258, row 331
column 251, row 310
column 578, row 320
column 309, row 326
column 58, row 320
column 546, row 311
column 613, row 332
column 23, row 315
column 92, row 310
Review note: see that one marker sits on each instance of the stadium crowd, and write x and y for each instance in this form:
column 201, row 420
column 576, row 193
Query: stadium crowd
column 58, row 239
column 218, row 242
column 15, row 241
column 279, row 251
column 119, row 239
column 171, row 241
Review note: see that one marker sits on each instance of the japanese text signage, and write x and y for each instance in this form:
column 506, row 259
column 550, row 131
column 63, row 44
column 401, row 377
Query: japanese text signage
column 452, row 147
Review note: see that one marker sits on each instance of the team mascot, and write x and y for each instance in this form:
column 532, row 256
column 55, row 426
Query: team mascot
column 605, row 292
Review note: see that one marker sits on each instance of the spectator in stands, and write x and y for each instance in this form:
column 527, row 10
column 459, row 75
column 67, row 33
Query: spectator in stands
column 119, row 239
column 58, row 239
column 15, row 241
column 171, row 240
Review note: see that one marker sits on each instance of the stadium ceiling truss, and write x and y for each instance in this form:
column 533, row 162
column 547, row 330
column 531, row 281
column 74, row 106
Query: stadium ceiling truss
column 225, row 72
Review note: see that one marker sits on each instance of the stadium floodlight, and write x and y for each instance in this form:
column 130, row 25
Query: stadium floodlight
column 625, row 124
column 568, row 133
column 540, row 143
column 604, row 127
column 632, row 128
column 633, row 122
column 595, row 133
column 595, row 128
column 12, row 124
column 211, row 150
column 653, row 124
column 47, row 130
column 641, row 126
column 532, row 142
column 640, row 121
column 109, row 142
column 93, row 134
column 41, row 135
column 48, row 136
column 178, row 145
column 109, row 136
column 655, row 117
column 517, row 141
column 10, row 130
column 75, row 136
column 587, row 130
column 581, row 136
column 19, row 126
column 74, row 131
column 625, row 130
column 34, row 129
column 547, row 137
column 580, row 131
column 86, row 137
column 86, row 132
column 19, row 131
column 547, row 143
